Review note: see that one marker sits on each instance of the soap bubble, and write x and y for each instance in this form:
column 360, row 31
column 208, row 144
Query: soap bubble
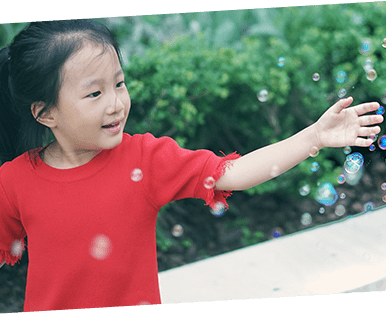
column 16, row 248
column 368, row 206
column 382, row 142
column 341, row 76
column 384, row 43
column 371, row 75
column 342, row 196
column 340, row 210
column 305, row 190
column 373, row 137
column 314, row 152
column 353, row 162
column 262, row 96
column 326, row 194
column 322, row 210
column 100, row 247
column 383, row 186
column 341, row 179
column 218, row 209
column 209, row 182
column 316, row 77
column 368, row 64
column 136, row 175
column 380, row 110
column 277, row 232
column 314, row 166
column 384, row 199
column 372, row 148
column 342, row 93
column 306, row 219
column 365, row 46
column 281, row 62
column 177, row 230
column 347, row 150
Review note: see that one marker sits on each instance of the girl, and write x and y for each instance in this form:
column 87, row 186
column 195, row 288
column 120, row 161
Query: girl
column 88, row 201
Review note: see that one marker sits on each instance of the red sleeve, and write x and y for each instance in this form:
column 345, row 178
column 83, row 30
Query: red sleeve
column 12, row 232
column 172, row 173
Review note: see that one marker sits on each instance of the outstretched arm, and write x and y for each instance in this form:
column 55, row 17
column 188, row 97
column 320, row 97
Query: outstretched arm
column 339, row 126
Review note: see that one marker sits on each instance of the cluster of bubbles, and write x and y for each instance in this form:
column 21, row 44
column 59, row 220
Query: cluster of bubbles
column 177, row 230
column 100, row 247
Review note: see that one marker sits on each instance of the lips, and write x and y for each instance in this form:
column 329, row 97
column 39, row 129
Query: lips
column 111, row 125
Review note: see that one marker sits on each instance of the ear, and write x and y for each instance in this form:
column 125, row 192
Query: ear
column 46, row 119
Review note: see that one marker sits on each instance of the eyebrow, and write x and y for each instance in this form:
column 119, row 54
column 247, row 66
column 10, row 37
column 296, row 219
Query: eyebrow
column 94, row 81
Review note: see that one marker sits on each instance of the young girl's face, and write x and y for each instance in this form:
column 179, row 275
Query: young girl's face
column 92, row 96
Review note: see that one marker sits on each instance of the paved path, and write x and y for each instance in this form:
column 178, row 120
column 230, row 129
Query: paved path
column 347, row 256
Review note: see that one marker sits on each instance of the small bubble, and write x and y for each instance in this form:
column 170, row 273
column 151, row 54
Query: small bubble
column 342, row 93
column 16, row 248
column 100, row 247
column 342, row 196
column 177, row 230
column 209, row 182
column 380, row 110
column 218, row 209
column 341, row 76
column 306, row 219
column 365, row 46
column 275, row 171
column 136, row 175
column 314, row 166
column 277, row 232
column 316, row 77
column 262, row 96
column 382, row 142
column 304, row 190
column 347, row 150
column 383, row 186
column 372, row 148
column 314, row 152
column 384, row 43
column 368, row 206
column 371, row 75
column 322, row 210
column 368, row 64
column 341, row 179
column 366, row 256
column 326, row 194
column 281, row 62
column 340, row 210
column 353, row 162
column 373, row 137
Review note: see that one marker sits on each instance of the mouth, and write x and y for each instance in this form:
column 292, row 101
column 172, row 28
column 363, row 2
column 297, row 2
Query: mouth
column 112, row 125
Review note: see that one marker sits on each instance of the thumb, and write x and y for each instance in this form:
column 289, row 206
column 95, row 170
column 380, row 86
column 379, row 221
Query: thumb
column 342, row 104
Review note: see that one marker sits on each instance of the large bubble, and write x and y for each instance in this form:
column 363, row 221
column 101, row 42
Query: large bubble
column 382, row 142
column 304, row 190
column 326, row 194
column 353, row 162
column 341, row 76
column 262, row 96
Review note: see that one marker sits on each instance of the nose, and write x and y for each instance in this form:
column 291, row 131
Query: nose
column 116, row 105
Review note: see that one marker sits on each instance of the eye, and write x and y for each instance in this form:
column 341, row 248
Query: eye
column 95, row 94
column 120, row 84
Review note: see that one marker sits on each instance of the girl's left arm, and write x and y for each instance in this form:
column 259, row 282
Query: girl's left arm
column 339, row 126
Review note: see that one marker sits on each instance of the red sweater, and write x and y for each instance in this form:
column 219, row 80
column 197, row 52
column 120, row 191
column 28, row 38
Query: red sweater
column 91, row 229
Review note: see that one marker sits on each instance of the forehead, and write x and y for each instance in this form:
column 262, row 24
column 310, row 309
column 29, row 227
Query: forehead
column 89, row 62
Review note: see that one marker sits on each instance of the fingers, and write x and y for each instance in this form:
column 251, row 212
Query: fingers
column 368, row 131
column 342, row 104
column 370, row 120
column 361, row 142
column 366, row 108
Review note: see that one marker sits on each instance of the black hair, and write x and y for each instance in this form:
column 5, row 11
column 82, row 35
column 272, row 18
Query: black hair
column 31, row 71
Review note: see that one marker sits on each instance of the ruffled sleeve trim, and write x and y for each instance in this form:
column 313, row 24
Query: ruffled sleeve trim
column 5, row 255
column 218, row 197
